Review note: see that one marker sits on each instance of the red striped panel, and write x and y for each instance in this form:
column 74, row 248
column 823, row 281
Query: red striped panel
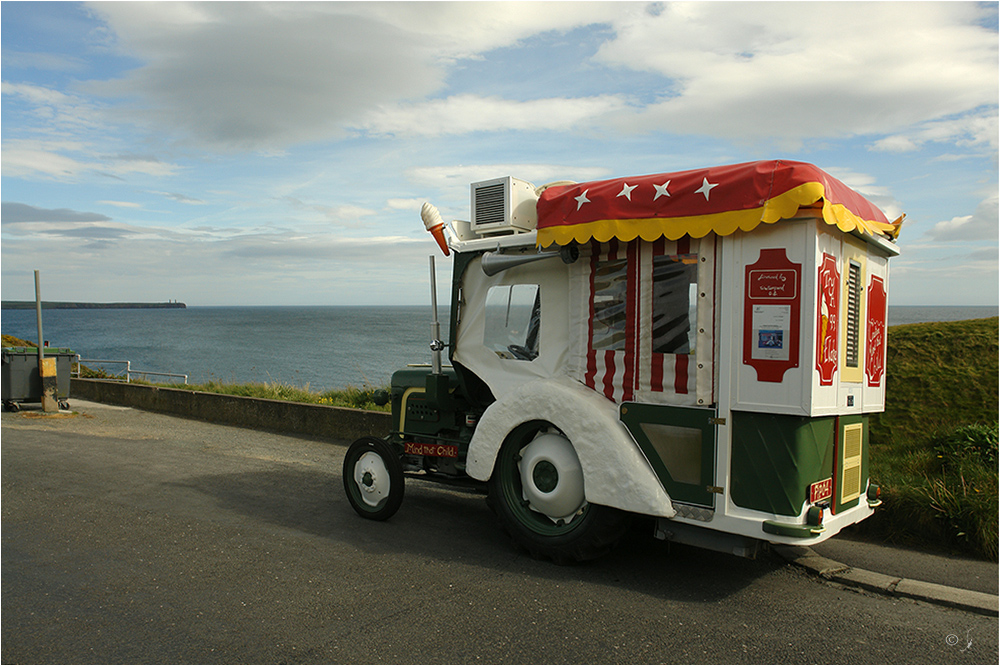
column 609, row 374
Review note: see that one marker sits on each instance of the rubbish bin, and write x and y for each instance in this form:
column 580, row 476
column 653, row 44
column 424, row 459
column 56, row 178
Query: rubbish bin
column 21, row 381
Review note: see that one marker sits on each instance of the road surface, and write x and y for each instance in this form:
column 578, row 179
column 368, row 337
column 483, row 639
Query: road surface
column 136, row 537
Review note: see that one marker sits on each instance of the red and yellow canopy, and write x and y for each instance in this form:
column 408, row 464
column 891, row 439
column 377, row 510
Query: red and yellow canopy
column 720, row 199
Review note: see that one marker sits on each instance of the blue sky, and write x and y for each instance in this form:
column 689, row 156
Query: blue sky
column 269, row 154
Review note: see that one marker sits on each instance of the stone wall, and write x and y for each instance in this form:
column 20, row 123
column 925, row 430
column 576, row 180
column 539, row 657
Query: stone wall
column 275, row 415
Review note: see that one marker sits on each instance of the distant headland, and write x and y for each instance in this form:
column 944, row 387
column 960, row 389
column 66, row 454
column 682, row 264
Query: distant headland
column 61, row 305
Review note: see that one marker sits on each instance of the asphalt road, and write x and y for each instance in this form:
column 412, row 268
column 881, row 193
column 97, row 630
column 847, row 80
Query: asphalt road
column 131, row 537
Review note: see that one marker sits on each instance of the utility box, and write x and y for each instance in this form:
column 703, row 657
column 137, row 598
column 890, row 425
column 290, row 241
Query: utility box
column 21, row 381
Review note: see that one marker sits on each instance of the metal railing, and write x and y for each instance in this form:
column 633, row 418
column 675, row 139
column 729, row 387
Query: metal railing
column 128, row 369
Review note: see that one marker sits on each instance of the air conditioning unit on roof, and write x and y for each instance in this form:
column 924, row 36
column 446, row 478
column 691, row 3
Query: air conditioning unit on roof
column 503, row 205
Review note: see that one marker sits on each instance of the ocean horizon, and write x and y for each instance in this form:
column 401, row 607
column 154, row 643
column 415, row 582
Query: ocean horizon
column 318, row 347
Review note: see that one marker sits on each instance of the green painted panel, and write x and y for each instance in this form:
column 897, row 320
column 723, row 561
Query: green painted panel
column 775, row 458
column 679, row 443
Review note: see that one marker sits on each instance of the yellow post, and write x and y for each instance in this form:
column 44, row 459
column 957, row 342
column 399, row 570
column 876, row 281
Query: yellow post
column 47, row 373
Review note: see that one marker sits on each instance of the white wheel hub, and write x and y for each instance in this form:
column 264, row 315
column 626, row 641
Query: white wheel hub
column 551, row 477
column 372, row 478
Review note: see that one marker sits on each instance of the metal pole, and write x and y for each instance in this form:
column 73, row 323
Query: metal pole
column 436, row 344
column 38, row 316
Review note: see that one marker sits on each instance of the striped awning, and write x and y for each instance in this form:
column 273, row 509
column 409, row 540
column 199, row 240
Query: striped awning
column 720, row 199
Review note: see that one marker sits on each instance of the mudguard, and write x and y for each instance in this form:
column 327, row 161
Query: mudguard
column 616, row 474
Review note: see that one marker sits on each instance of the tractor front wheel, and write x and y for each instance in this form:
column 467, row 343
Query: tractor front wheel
column 373, row 478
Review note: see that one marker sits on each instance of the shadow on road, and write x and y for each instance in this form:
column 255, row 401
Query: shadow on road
column 444, row 524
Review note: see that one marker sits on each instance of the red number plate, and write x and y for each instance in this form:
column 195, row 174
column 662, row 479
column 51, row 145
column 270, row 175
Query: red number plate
column 436, row 450
column 820, row 490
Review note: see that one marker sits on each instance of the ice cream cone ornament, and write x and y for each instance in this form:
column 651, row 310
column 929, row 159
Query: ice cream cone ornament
column 434, row 224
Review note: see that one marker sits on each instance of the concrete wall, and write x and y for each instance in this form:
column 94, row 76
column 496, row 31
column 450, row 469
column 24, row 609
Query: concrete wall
column 274, row 415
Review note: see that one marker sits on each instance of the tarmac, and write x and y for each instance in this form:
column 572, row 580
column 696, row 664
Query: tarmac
column 957, row 582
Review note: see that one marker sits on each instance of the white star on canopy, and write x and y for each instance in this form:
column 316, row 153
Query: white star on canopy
column 627, row 191
column 706, row 187
column 582, row 199
column 661, row 190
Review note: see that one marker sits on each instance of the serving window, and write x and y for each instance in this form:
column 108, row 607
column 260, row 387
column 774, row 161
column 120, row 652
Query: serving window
column 610, row 285
column 643, row 330
column 675, row 303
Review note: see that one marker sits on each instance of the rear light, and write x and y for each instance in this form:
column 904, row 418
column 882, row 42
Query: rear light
column 814, row 516
column 874, row 494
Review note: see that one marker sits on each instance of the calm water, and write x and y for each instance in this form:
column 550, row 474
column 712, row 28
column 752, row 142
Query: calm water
column 322, row 347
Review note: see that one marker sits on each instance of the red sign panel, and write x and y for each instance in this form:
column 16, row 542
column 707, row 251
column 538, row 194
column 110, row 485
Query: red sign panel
column 436, row 450
column 828, row 320
column 821, row 490
column 771, row 309
column 875, row 332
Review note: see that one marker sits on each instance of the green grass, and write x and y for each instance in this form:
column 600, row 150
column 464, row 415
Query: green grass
column 352, row 396
column 934, row 449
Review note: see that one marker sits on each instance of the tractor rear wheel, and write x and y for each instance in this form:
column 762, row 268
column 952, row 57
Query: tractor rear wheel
column 537, row 492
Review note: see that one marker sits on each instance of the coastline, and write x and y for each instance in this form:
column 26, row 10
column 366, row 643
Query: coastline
column 63, row 305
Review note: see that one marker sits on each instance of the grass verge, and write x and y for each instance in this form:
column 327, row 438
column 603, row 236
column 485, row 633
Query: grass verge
column 934, row 449
column 352, row 396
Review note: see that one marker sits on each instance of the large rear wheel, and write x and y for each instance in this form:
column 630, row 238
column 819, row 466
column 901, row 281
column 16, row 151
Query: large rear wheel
column 537, row 491
column 373, row 478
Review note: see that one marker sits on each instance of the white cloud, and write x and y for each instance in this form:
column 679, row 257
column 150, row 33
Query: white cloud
column 71, row 160
column 405, row 204
column 795, row 70
column 34, row 159
column 462, row 114
column 121, row 204
column 348, row 215
column 968, row 131
column 261, row 76
column 982, row 225
column 258, row 76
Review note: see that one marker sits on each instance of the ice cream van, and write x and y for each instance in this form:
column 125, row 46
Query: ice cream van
column 701, row 347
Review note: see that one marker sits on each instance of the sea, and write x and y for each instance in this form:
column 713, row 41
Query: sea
column 317, row 347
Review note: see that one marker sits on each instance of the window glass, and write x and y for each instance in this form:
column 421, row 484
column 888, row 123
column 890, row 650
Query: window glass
column 679, row 449
column 610, row 282
column 513, row 321
column 675, row 303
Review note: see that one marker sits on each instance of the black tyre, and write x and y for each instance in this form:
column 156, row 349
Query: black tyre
column 373, row 478
column 536, row 491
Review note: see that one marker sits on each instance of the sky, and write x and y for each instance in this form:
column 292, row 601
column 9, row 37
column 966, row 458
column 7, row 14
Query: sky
column 278, row 154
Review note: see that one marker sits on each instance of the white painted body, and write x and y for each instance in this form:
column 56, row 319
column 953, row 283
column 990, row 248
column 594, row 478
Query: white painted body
column 553, row 388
